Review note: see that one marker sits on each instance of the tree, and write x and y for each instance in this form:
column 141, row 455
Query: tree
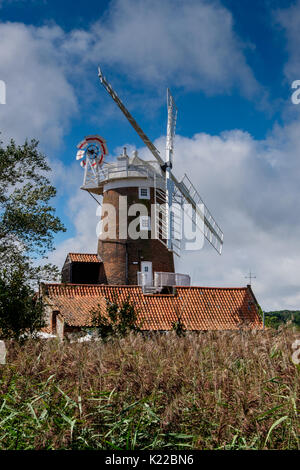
column 118, row 320
column 27, row 220
column 27, row 227
column 21, row 310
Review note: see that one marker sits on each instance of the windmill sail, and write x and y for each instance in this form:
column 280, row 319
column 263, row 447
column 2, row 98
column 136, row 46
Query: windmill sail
column 183, row 191
column 132, row 121
column 171, row 125
column 210, row 228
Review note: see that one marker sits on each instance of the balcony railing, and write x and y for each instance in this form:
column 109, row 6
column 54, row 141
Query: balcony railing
column 143, row 279
column 95, row 177
column 163, row 279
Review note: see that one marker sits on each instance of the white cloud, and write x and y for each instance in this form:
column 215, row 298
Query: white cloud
column 79, row 207
column 289, row 20
column 39, row 99
column 190, row 44
column 83, row 211
column 251, row 187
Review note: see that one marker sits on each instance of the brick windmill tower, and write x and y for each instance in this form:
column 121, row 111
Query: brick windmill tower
column 127, row 246
column 142, row 208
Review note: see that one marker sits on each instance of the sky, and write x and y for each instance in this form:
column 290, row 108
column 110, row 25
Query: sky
column 230, row 67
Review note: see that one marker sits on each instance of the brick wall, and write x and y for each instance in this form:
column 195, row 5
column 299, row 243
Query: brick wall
column 118, row 255
column 83, row 273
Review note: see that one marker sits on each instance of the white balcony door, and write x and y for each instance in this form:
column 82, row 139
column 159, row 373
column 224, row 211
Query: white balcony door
column 146, row 269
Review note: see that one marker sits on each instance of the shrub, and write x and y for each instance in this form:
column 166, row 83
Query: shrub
column 178, row 327
column 21, row 311
column 118, row 320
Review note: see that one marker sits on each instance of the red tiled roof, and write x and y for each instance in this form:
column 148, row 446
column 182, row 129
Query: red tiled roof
column 84, row 258
column 200, row 308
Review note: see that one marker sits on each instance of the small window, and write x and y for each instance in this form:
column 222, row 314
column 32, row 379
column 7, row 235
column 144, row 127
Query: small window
column 145, row 222
column 144, row 193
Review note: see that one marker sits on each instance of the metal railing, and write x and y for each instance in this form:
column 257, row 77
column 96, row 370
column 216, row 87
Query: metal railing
column 143, row 279
column 171, row 279
column 163, row 279
column 118, row 170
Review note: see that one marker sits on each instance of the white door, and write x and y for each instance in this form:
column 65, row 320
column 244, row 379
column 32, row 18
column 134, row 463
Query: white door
column 146, row 268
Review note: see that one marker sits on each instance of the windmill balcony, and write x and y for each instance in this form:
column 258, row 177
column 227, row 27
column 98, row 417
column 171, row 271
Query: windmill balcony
column 163, row 279
column 95, row 179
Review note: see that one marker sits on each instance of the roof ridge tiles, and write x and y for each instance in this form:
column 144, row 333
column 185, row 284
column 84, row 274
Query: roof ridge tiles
column 69, row 284
column 83, row 257
column 80, row 253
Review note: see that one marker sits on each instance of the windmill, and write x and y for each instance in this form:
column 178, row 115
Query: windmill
column 143, row 260
column 183, row 191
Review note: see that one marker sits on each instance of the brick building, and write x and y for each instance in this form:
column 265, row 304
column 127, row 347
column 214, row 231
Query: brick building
column 69, row 307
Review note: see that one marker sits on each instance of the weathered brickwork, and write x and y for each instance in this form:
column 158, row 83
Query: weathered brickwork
column 118, row 255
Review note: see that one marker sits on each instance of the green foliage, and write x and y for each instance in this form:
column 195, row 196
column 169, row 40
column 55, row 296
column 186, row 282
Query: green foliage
column 260, row 312
column 178, row 327
column 27, row 220
column 133, row 426
column 118, row 321
column 27, row 227
column 21, row 311
column 277, row 318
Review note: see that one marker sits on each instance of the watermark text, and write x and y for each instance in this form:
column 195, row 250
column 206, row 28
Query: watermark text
column 2, row 92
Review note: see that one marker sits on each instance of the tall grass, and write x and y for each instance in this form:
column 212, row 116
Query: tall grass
column 211, row 390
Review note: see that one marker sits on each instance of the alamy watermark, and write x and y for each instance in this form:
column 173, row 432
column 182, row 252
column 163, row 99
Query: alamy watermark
column 2, row 92
column 150, row 222
column 295, row 98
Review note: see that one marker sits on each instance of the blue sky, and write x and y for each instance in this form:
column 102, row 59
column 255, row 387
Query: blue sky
column 229, row 65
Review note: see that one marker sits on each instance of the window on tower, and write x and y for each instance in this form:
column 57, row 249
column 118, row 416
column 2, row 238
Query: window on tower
column 144, row 193
column 145, row 222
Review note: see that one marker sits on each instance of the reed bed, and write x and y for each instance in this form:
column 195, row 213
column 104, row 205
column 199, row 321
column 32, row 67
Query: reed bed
column 207, row 390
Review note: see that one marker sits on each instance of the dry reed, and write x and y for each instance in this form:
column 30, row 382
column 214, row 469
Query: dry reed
column 208, row 390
